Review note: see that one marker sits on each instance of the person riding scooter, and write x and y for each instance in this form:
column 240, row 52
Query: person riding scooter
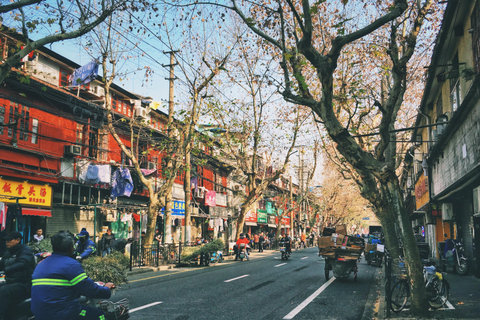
column 240, row 241
column 18, row 263
column 58, row 282
column 286, row 240
column 84, row 247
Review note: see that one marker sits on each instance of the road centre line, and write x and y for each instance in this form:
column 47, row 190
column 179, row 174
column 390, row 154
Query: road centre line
column 304, row 258
column 281, row 264
column 305, row 303
column 145, row 306
column 245, row 275
column 449, row 305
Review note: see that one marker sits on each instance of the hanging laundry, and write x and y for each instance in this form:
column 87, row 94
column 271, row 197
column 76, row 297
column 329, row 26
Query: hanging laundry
column 210, row 199
column 3, row 215
column 92, row 175
column 147, row 172
column 211, row 224
column 122, row 183
column 104, row 173
column 82, row 167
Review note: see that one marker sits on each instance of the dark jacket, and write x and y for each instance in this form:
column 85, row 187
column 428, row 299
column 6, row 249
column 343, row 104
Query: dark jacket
column 86, row 249
column 107, row 241
column 18, row 264
column 58, row 281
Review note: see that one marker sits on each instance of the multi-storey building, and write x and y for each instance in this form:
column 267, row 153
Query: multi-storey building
column 446, row 178
column 58, row 159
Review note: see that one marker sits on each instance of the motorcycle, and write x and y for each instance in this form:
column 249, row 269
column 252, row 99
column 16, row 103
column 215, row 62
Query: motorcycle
column 284, row 251
column 19, row 311
column 113, row 310
column 242, row 251
column 455, row 256
column 375, row 256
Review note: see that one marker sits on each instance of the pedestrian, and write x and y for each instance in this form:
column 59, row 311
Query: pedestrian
column 84, row 247
column 37, row 237
column 18, row 263
column 303, row 237
column 107, row 241
column 256, row 238
column 261, row 240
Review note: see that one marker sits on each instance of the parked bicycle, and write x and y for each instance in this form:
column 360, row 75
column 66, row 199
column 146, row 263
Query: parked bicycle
column 435, row 283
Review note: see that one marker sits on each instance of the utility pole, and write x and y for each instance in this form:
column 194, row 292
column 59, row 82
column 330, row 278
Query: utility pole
column 167, row 221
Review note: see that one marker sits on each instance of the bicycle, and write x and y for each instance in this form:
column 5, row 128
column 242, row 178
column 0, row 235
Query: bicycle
column 437, row 289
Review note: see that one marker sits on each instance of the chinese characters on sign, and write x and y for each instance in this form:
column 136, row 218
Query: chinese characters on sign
column 34, row 194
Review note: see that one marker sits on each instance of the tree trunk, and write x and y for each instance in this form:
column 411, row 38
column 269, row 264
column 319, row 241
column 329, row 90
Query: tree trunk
column 188, row 209
column 167, row 221
column 391, row 191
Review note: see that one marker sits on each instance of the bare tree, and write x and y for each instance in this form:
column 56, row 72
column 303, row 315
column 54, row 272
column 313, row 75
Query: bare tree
column 64, row 22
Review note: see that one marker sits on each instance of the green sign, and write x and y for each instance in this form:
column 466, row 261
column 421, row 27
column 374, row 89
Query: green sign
column 261, row 216
column 269, row 207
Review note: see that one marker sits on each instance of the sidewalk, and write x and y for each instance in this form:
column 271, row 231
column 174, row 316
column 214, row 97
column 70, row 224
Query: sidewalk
column 253, row 255
column 462, row 303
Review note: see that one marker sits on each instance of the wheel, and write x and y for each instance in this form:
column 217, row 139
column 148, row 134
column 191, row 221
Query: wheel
column 355, row 271
column 399, row 295
column 437, row 293
column 461, row 267
column 368, row 257
column 327, row 273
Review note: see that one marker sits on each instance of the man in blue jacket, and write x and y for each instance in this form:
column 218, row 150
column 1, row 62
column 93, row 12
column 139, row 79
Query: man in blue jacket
column 84, row 247
column 59, row 280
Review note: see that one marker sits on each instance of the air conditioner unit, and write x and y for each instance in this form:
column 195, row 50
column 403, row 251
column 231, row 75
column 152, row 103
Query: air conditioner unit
column 151, row 165
column 141, row 112
column 98, row 91
column 199, row 194
column 447, row 211
column 72, row 150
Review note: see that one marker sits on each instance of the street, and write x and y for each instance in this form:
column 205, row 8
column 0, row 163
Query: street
column 263, row 288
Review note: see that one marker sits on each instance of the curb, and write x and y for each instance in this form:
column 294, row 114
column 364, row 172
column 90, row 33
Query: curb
column 375, row 305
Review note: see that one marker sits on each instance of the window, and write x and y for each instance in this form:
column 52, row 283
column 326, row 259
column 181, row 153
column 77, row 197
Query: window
column 34, row 131
column 455, row 92
column 64, row 74
column 79, row 134
column 103, row 144
column 92, row 144
column 24, row 123
column 114, row 103
column 2, row 118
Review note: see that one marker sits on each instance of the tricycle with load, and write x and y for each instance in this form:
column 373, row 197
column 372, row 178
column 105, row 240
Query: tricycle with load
column 341, row 253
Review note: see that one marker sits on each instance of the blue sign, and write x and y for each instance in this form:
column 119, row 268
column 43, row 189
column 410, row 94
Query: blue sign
column 366, row 218
column 178, row 208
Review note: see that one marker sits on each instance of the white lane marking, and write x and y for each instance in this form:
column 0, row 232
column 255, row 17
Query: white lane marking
column 281, row 264
column 305, row 303
column 245, row 275
column 145, row 306
column 304, row 258
column 449, row 305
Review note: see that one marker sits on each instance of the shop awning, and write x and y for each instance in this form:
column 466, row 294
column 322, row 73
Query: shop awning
column 272, row 225
column 251, row 224
column 36, row 212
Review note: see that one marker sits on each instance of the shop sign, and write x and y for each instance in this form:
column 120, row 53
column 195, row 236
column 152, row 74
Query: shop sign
column 178, row 191
column 251, row 216
column 272, row 220
column 421, row 192
column 34, row 194
column 218, row 212
column 221, row 200
column 178, row 208
column 261, row 216
column 269, row 207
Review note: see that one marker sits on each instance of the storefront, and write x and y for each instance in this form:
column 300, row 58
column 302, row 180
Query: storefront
column 26, row 205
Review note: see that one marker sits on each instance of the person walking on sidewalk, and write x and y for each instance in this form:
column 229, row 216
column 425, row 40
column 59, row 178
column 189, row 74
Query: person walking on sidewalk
column 261, row 240
column 256, row 238
column 303, row 237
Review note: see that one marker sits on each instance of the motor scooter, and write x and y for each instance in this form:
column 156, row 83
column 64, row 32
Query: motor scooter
column 455, row 256
column 285, row 254
column 242, row 251
column 18, row 311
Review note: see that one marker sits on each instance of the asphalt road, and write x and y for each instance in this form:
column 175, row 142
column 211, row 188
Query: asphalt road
column 262, row 288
